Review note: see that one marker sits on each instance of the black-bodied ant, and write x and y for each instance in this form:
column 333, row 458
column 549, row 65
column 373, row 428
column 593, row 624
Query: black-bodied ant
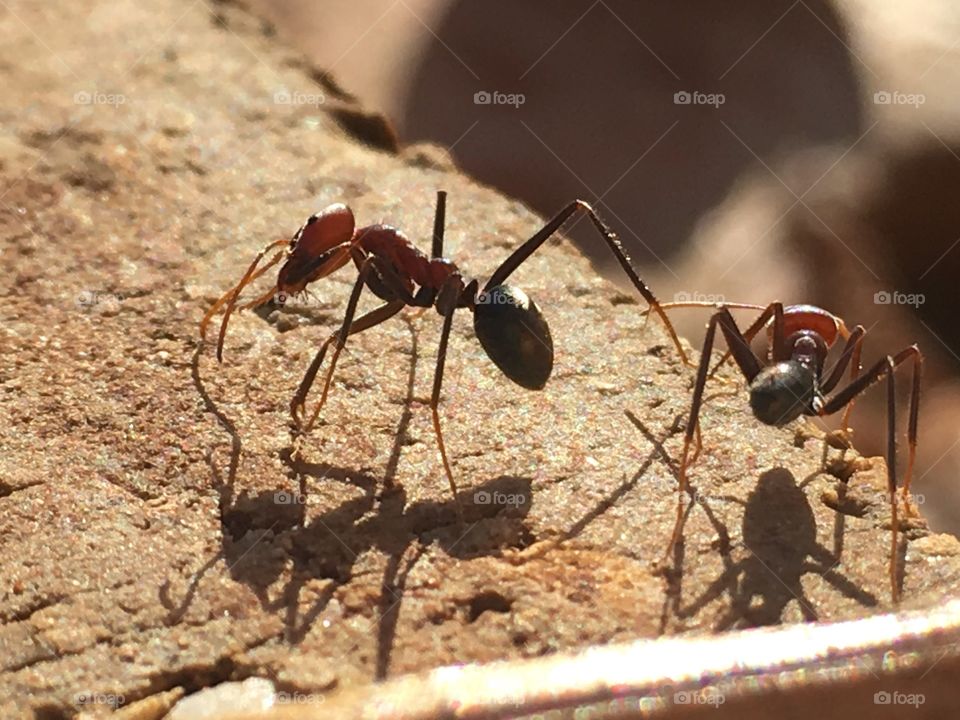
column 792, row 383
column 508, row 324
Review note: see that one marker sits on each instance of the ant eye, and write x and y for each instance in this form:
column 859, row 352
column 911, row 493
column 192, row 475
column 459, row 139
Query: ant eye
column 515, row 335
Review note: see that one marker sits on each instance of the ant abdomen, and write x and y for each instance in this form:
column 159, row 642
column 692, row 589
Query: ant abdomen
column 515, row 335
column 781, row 393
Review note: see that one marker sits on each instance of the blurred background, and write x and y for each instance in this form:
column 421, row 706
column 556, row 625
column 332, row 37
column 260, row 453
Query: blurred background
column 803, row 151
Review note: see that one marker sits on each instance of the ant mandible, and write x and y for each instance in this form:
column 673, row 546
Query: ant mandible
column 508, row 324
column 793, row 383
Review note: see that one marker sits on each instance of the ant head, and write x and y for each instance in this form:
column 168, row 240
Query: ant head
column 514, row 334
column 316, row 249
column 781, row 393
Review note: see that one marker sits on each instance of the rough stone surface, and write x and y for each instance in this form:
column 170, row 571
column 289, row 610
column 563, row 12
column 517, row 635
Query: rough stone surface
column 146, row 546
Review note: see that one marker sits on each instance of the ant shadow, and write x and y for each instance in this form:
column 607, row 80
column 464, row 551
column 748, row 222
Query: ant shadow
column 780, row 535
column 674, row 575
column 674, row 580
column 267, row 534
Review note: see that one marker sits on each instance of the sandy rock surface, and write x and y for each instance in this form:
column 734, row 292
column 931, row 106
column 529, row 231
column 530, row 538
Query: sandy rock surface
column 157, row 533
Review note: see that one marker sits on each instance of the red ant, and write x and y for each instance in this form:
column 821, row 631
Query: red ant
column 793, row 384
column 508, row 324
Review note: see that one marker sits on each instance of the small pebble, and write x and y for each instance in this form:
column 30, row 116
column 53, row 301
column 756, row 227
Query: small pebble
column 286, row 323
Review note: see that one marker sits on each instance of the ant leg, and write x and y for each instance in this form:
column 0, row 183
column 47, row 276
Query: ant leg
column 256, row 302
column 439, row 221
column 520, row 255
column 713, row 304
column 341, row 339
column 875, row 373
column 851, row 357
column 364, row 322
column 851, row 353
column 396, row 285
column 887, row 367
column 778, row 350
column 226, row 296
column 435, row 395
column 337, row 257
column 774, row 310
column 749, row 365
column 436, row 250
column 233, row 299
column 855, row 368
column 912, row 430
column 698, row 445
column 393, row 281
column 231, row 295
column 892, row 477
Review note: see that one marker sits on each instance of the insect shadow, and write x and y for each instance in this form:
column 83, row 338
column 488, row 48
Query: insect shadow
column 780, row 536
column 267, row 535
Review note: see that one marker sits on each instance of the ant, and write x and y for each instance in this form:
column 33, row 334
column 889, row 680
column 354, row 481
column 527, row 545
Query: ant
column 508, row 324
column 792, row 383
